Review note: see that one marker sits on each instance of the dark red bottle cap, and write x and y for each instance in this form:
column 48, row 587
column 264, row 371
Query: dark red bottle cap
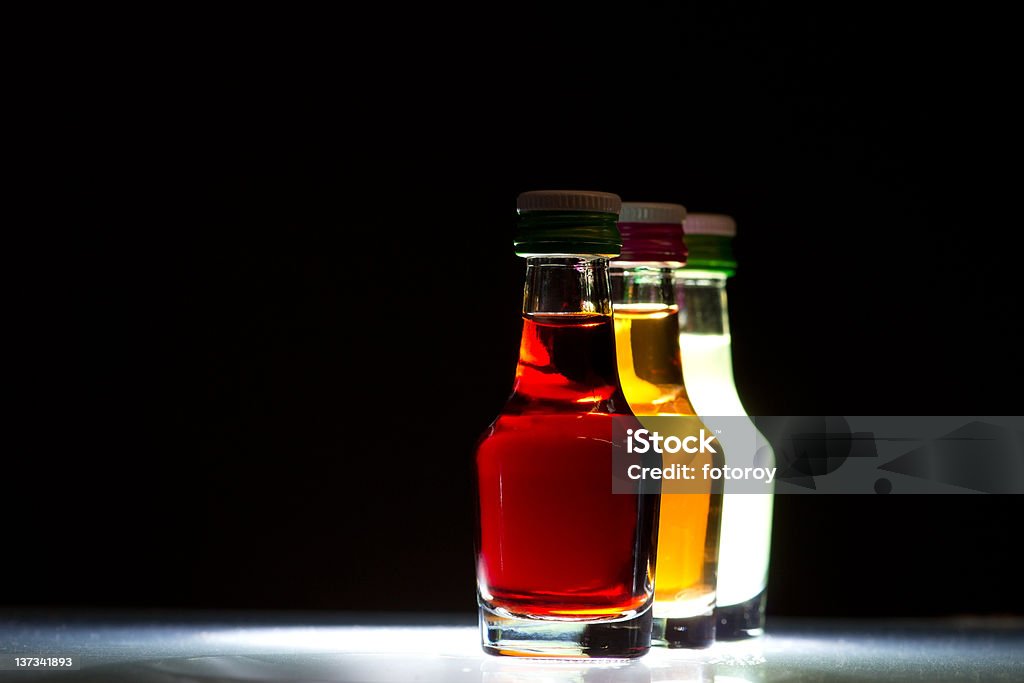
column 653, row 232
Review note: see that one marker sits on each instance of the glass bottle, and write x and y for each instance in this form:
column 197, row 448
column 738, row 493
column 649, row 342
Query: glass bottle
column 647, row 343
column 706, row 344
column 565, row 567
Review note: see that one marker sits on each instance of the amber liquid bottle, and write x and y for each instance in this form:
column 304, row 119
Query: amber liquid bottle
column 651, row 372
column 565, row 567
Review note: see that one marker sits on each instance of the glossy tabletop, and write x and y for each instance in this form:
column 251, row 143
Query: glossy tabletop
column 146, row 648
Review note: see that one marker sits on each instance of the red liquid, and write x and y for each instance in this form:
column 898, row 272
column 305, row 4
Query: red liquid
column 554, row 541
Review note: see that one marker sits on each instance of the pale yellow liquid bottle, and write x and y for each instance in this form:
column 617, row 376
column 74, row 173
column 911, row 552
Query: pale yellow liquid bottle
column 706, row 344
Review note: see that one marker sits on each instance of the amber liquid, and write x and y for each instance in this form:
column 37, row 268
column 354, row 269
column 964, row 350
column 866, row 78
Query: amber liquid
column 554, row 541
column 650, row 370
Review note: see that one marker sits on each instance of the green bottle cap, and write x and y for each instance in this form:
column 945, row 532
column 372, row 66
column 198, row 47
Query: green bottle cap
column 709, row 240
column 568, row 222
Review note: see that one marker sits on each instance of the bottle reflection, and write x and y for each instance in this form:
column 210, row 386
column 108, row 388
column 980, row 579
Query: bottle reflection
column 670, row 671
column 508, row 670
column 652, row 669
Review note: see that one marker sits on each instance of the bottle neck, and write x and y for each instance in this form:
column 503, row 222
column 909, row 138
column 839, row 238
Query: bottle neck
column 567, row 352
column 703, row 308
column 647, row 339
column 642, row 286
column 706, row 342
column 560, row 285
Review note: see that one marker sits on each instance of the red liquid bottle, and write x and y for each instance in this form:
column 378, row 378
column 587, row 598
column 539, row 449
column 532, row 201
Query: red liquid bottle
column 565, row 567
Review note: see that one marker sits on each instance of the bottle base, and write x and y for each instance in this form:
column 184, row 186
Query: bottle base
column 745, row 620
column 625, row 638
column 685, row 632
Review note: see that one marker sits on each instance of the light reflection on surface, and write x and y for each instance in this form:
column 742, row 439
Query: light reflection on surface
column 451, row 655
column 796, row 651
column 443, row 640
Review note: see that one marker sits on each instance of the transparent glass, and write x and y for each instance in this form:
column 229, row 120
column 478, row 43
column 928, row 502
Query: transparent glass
column 651, row 372
column 706, row 345
column 565, row 568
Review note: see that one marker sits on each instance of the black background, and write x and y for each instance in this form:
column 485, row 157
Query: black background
column 277, row 301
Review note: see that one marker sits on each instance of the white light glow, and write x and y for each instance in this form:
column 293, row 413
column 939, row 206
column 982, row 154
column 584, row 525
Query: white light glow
column 443, row 640
column 746, row 517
